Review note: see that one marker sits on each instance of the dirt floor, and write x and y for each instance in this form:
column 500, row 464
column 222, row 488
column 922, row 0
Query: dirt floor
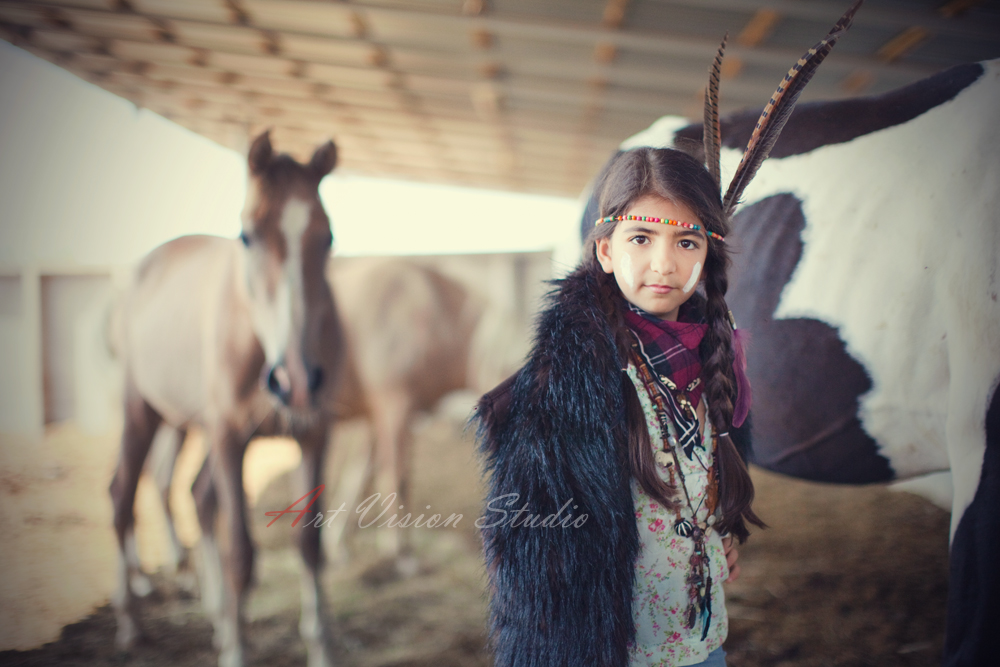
column 844, row 576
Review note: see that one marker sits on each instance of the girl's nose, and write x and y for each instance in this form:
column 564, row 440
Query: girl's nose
column 662, row 261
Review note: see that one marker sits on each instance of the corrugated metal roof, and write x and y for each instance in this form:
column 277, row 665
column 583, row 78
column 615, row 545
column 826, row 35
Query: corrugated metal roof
column 529, row 95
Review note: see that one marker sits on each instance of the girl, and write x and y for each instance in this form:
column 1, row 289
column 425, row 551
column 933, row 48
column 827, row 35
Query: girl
column 616, row 453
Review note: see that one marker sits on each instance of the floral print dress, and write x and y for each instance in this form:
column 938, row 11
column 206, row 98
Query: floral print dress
column 661, row 594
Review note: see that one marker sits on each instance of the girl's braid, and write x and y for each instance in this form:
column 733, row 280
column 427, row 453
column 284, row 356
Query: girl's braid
column 735, row 486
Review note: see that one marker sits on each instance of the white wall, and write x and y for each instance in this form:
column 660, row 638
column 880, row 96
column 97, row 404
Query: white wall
column 78, row 369
column 87, row 180
column 20, row 395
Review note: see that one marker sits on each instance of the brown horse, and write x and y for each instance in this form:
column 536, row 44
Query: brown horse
column 241, row 339
column 413, row 335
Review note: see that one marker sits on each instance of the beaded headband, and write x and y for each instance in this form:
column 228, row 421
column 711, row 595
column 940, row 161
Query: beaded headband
column 772, row 121
column 665, row 221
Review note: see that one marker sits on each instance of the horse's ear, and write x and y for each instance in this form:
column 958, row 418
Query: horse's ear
column 260, row 153
column 323, row 160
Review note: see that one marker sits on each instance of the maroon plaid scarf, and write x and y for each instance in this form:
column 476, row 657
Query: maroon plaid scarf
column 671, row 350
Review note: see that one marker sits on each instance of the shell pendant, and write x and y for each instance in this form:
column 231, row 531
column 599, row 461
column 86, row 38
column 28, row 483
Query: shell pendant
column 663, row 459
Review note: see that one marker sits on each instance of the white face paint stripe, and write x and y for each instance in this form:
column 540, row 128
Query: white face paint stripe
column 626, row 270
column 693, row 280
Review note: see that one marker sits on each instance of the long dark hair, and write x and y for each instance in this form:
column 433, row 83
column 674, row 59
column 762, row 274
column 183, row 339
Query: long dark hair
column 678, row 177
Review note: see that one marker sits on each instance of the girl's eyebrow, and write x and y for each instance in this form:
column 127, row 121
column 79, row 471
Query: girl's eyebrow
column 681, row 231
column 642, row 230
column 657, row 229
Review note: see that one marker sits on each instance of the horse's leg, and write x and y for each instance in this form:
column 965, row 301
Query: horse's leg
column 141, row 422
column 206, row 502
column 160, row 465
column 228, row 447
column 313, row 624
column 391, row 415
column 354, row 482
column 163, row 457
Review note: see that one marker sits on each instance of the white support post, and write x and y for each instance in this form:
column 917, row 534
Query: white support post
column 33, row 422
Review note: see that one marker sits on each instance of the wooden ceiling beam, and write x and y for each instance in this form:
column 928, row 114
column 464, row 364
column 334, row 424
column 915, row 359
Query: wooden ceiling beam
column 538, row 146
column 539, row 81
column 589, row 35
column 531, row 140
column 828, row 11
column 301, row 94
column 282, row 75
column 614, row 13
column 301, row 145
column 536, row 151
column 536, row 87
column 759, row 28
column 903, row 43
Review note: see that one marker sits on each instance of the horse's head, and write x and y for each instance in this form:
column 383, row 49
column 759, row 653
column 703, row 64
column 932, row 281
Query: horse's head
column 287, row 238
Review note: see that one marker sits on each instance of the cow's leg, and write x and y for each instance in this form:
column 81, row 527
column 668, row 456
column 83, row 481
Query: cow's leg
column 141, row 422
column 391, row 416
column 314, row 622
column 162, row 460
column 974, row 580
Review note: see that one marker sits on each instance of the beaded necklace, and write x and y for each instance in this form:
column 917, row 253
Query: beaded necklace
column 699, row 578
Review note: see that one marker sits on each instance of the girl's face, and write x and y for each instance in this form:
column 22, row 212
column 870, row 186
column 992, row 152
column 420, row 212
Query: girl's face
column 656, row 266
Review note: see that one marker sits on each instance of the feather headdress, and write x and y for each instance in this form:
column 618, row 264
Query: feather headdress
column 712, row 132
column 771, row 120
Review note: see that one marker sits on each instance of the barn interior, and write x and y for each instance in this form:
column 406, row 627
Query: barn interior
column 514, row 95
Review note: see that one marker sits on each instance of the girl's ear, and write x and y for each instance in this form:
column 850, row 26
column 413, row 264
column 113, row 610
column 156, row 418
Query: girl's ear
column 602, row 247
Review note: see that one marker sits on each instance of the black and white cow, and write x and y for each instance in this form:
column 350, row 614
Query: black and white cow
column 867, row 271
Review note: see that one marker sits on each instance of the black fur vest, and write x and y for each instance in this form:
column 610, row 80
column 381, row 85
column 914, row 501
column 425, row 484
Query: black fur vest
column 562, row 593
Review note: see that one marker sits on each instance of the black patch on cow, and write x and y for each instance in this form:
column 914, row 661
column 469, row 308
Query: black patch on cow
column 973, row 634
column 815, row 124
column 805, row 384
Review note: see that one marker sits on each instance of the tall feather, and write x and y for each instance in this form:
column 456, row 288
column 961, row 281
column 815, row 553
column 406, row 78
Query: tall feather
column 779, row 108
column 712, row 133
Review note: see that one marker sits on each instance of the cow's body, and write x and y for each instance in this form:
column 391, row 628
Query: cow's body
column 867, row 255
